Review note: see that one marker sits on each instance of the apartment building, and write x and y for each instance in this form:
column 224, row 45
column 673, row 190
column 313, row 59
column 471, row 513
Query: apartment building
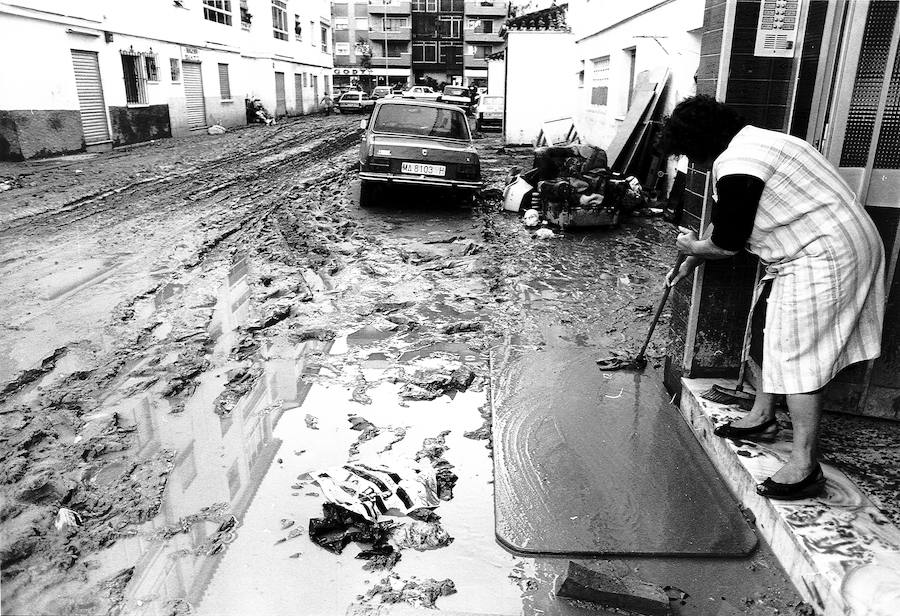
column 93, row 75
column 395, row 42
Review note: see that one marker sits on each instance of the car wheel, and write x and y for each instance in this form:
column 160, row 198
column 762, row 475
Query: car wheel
column 369, row 193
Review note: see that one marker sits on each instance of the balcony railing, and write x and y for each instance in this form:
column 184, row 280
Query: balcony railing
column 401, row 34
column 474, row 36
column 486, row 8
column 404, row 61
column 392, row 8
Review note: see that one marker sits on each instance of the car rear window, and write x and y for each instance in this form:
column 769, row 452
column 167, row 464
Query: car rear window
column 456, row 91
column 422, row 121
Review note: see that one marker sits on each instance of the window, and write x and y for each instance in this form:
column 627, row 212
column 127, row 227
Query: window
column 279, row 19
column 450, row 27
column 324, row 38
column 342, row 49
column 453, row 6
column 150, row 65
column 135, row 78
column 340, row 23
column 298, row 28
column 424, row 121
column 312, row 33
column 424, row 52
column 450, row 53
column 218, row 11
column 580, row 75
column 327, row 85
column 175, row 69
column 600, row 81
column 361, row 23
column 224, row 83
column 304, row 80
column 480, row 51
column 246, row 17
column 420, row 6
column 631, row 55
column 395, row 49
column 394, row 24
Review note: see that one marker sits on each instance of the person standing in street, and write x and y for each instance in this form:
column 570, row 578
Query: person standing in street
column 820, row 305
column 327, row 104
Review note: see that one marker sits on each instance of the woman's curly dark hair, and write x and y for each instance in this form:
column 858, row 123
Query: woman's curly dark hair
column 700, row 127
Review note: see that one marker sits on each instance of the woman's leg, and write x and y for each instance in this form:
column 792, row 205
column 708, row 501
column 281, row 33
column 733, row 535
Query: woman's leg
column 763, row 410
column 806, row 413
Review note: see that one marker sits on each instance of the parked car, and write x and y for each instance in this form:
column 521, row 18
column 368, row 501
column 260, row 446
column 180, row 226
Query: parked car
column 353, row 101
column 421, row 93
column 381, row 92
column 417, row 142
column 456, row 95
column 489, row 112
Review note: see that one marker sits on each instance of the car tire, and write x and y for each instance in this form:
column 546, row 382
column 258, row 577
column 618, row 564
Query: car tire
column 369, row 194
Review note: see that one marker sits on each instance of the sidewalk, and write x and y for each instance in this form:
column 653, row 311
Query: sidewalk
column 840, row 551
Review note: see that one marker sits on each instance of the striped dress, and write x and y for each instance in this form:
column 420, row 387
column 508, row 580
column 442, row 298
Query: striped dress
column 823, row 254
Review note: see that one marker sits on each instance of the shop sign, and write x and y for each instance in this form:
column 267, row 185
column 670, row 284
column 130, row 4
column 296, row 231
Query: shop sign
column 190, row 54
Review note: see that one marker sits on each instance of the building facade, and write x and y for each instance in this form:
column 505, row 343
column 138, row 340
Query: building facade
column 100, row 74
column 395, row 42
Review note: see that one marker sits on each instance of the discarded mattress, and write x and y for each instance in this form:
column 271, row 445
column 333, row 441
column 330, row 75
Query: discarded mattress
column 590, row 464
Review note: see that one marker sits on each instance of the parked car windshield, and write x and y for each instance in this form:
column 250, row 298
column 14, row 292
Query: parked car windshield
column 422, row 121
column 451, row 91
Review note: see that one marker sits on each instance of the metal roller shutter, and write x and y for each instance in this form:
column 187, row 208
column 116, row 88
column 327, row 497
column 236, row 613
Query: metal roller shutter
column 193, row 95
column 90, row 97
column 298, row 92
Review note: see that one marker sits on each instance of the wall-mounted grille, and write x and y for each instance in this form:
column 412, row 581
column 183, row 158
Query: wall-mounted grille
column 887, row 154
column 867, row 87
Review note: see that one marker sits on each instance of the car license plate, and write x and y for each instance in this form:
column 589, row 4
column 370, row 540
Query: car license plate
column 421, row 169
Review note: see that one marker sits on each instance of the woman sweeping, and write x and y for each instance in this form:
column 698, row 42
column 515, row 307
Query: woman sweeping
column 820, row 304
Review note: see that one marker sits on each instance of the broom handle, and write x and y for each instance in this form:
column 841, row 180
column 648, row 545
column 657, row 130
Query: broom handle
column 659, row 308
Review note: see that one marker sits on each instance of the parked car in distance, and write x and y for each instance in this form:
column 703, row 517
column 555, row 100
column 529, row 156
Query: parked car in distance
column 456, row 95
column 421, row 93
column 381, row 92
column 353, row 101
column 489, row 112
column 420, row 143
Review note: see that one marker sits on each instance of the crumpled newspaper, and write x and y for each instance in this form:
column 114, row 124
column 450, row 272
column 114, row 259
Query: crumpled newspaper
column 373, row 489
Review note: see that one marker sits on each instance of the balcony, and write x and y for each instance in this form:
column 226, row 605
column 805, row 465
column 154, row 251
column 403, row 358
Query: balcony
column 404, row 61
column 391, row 8
column 473, row 62
column 402, row 34
column 474, row 36
column 478, row 8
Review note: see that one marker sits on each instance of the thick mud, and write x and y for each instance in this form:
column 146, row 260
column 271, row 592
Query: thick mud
column 192, row 328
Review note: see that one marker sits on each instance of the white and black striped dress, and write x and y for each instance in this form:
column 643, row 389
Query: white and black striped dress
column 823, row 254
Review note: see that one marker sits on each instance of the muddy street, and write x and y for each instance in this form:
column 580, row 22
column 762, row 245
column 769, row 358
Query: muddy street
column 201, row 336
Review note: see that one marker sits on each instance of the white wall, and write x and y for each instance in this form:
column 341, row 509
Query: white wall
column 538, row 88
column 660, row 37
column 496, row 71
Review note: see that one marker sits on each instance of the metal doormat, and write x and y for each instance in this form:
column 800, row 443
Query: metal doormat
column 588, row 463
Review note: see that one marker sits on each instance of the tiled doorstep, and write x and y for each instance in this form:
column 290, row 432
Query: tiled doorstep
column 839, row 551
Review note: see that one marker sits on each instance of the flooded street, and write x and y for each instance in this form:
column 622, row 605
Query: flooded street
column 193, row 329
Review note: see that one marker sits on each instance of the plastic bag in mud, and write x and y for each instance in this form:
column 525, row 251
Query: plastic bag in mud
column 374, row 489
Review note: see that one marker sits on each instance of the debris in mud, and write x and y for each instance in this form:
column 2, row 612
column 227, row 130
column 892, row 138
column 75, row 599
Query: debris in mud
column 433, row 449
column 240, row 382
column 372, row 489
column 66, row 519
column 361, row 424
column 421, row 536
column 430, row 386
column 312, row 333
column 286, row 523
column 621, row 592
column 424, row 593
column 272, row 314
column 189, row 364
column 338, row 527
column 359, row 391
column 217, row 512
column 312, row 422
column 215, row 543
column 399, row 435
column 464, row 326
column 30, row 376
column 384, row 562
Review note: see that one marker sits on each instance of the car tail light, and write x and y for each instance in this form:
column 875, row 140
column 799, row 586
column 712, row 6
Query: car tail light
column 380, row 163
column 469, row 171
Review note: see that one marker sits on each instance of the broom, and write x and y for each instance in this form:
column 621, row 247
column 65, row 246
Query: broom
column 737, row 396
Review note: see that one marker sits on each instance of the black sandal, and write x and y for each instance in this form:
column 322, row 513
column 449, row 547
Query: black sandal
column 753, row 433
column 810, row 486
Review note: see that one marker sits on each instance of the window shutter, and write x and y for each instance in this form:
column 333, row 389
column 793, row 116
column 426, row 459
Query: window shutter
column 224, row 83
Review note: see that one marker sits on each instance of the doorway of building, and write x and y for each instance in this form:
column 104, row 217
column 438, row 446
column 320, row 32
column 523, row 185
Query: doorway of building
column 193, row 95
column 298, row 92
column 94, row 124
column 315, row 82
column 280, row 97
column 858, row 129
